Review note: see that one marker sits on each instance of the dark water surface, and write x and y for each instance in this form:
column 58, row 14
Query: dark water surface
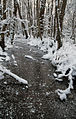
column 39, row 100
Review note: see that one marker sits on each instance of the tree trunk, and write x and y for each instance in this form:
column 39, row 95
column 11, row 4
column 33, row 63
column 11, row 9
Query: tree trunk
column 73, row 26
column 58, row 20
column 62, row 13
column 0, row 9
column 13, row 22
column 42, row 10
column 2, row 43
column 40, row 16
column 58, row 36
column 58, row 32
column 55, row 22
column 16, row 7
column 23, row 25
column 51, row 18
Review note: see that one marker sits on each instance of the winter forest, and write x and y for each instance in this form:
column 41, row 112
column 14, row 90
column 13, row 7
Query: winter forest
column 37, row 59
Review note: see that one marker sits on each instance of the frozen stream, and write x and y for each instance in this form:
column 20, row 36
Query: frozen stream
column 39, row 100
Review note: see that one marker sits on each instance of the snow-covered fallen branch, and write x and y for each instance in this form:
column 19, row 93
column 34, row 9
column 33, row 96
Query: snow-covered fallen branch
column 15, row 62
column 29, row 57
column 5, row 71
column 63, row 93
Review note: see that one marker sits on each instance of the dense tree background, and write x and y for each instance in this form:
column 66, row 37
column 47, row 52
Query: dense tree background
column 37, row 18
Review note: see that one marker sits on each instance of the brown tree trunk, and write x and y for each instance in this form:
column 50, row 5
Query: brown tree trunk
column 73, row 26
column 51, row 18
column 16, row 7
column 13, row 22
column 4, row 27
column 42, row 10
column 58, row 36
column 58, row 20
column 0, row 9
column 57, row 31
column 28, row 16
column 64, row 3
column 23, row 25
column 38, row 18
column 34, row 23
column 55, row 22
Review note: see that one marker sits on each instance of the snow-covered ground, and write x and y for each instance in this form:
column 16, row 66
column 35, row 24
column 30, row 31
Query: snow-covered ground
column 64, row 59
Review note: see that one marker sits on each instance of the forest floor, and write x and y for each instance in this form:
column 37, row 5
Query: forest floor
column 39, row 100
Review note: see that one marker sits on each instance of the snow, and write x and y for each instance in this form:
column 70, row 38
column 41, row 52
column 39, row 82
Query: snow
column 15, row 76
column 58, row 79
column 29, row 57
column 5, row 71
column 1, row 75
column 55, row 75
column 15, row 63
column 5, row 82
column 64, row 59
column 4, row 57
column 47, row 56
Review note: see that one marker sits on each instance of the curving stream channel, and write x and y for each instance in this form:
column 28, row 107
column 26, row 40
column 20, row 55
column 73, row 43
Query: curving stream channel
column 39, row 100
